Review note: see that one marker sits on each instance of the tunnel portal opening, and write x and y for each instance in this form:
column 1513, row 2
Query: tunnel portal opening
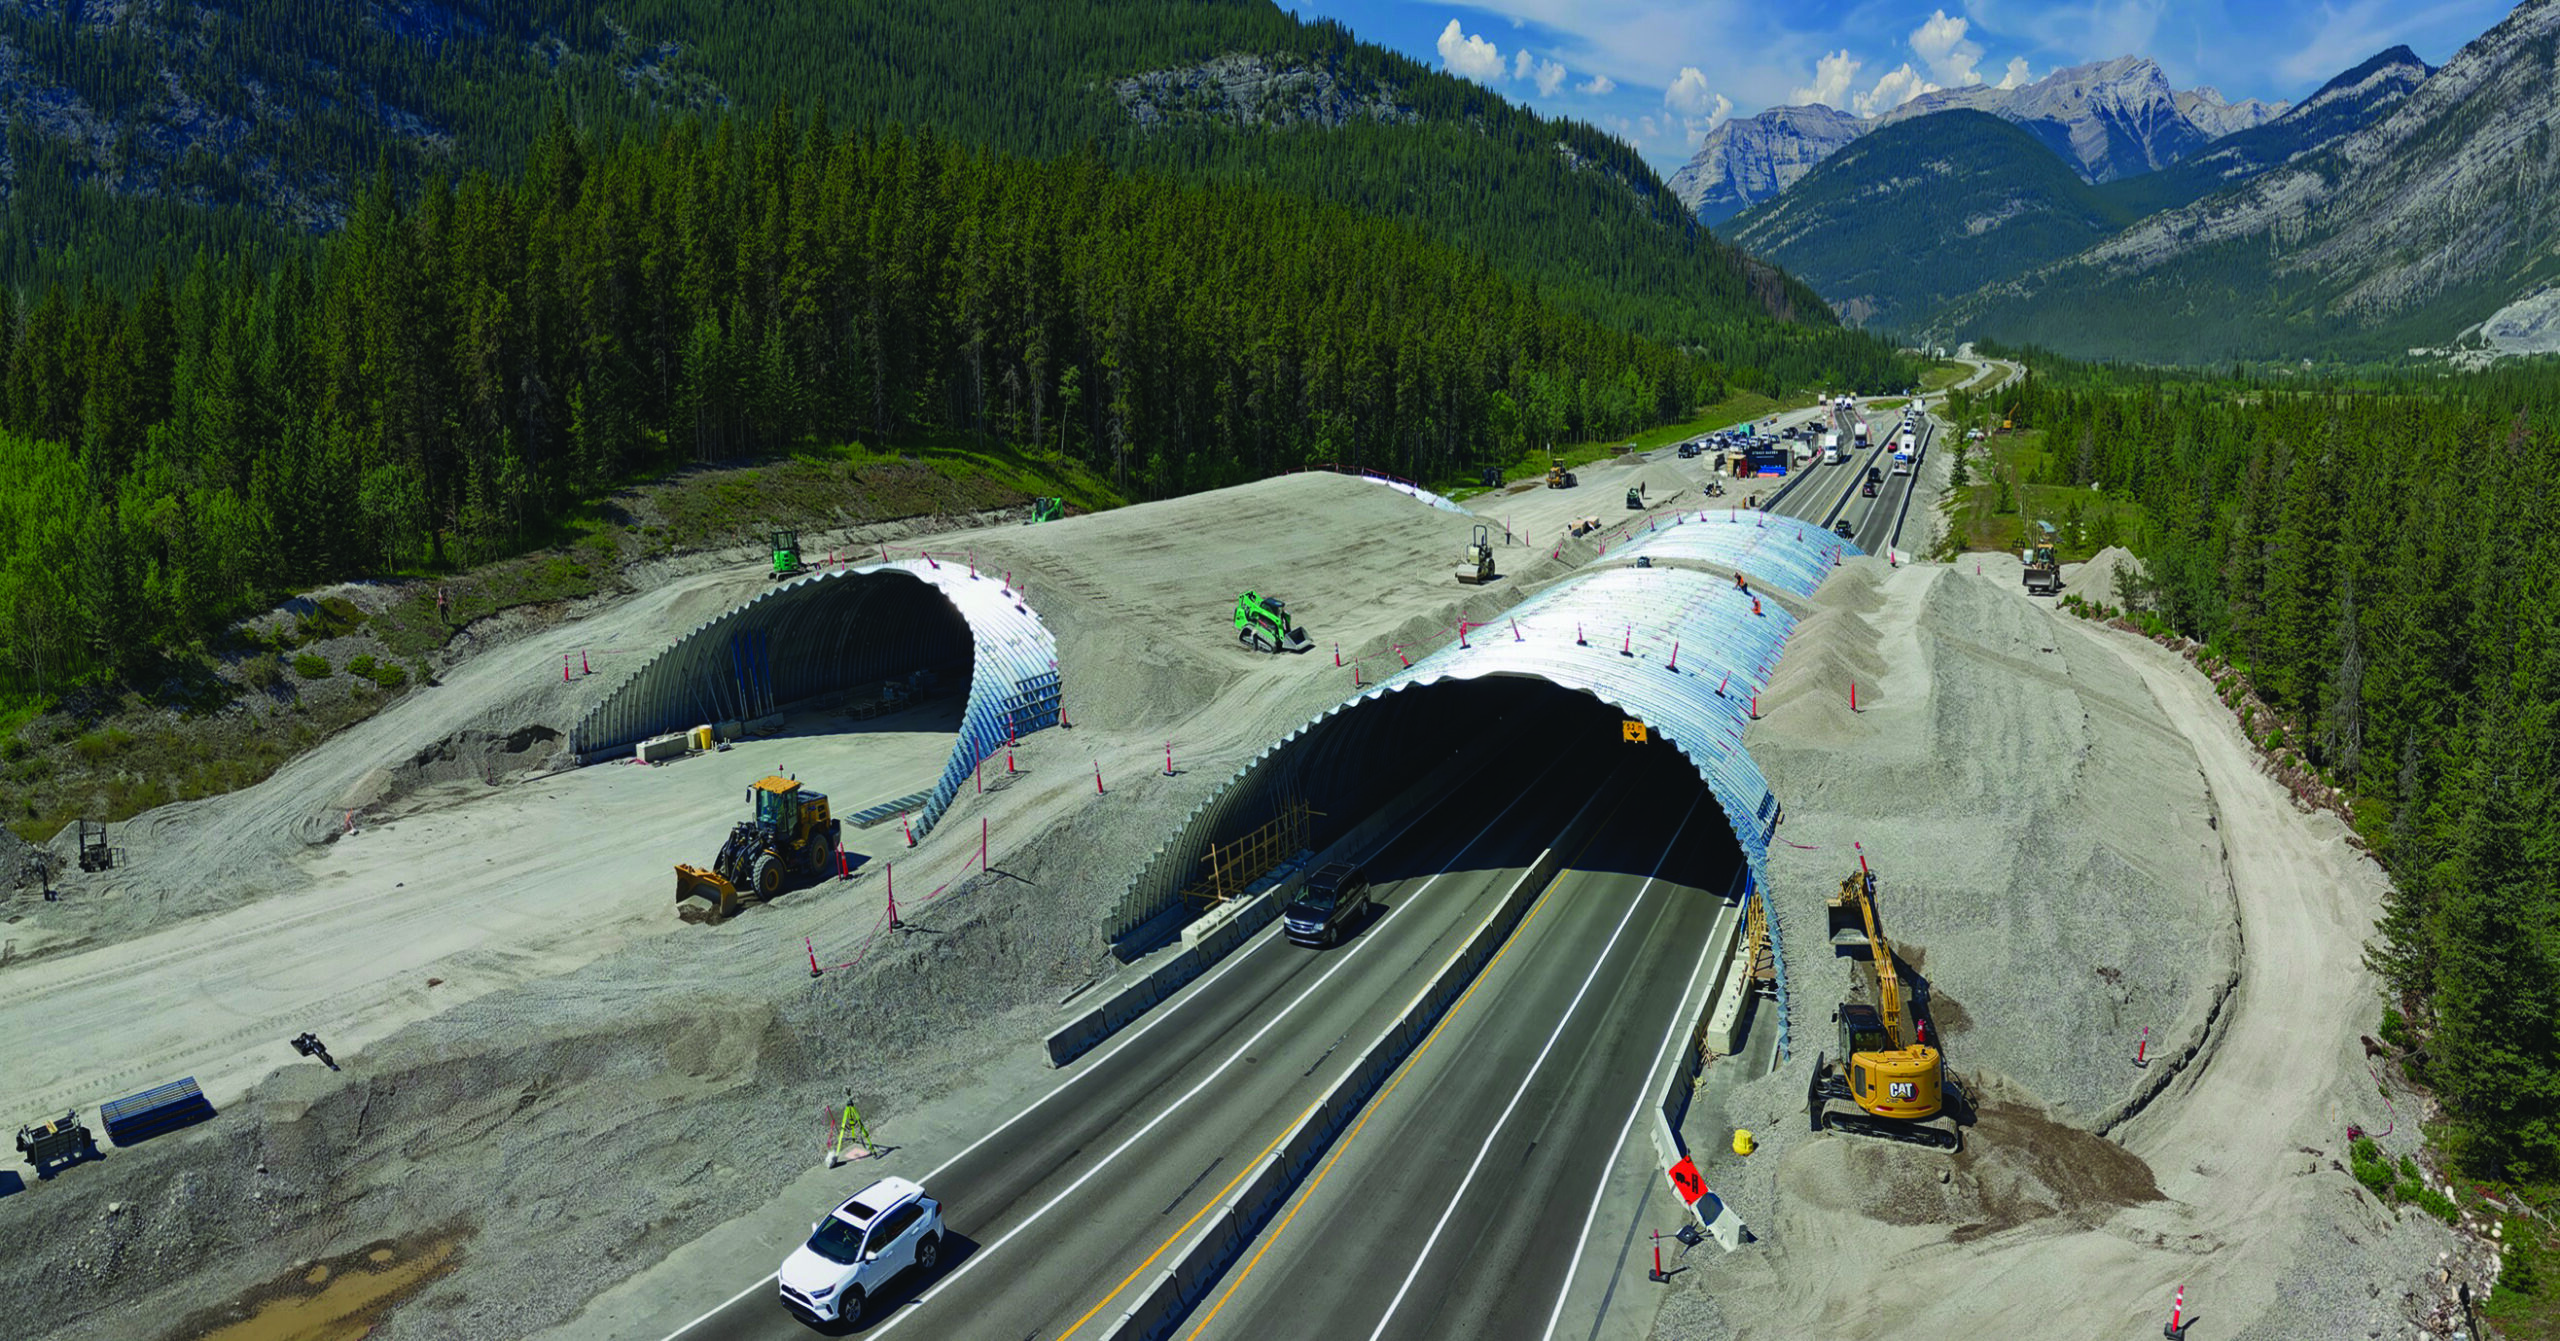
column 1458, row 773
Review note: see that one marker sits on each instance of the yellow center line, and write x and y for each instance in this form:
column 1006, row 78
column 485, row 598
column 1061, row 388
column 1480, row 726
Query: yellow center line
column 1343, row 1146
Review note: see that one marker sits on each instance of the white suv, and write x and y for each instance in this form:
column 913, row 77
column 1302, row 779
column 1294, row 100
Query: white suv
column 877, row 1233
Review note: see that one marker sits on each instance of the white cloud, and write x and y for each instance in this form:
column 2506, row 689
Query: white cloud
column 1521, row 60
column 1688, row 94
column 1469, row 57
column 1832, row 76
column 2017, row 76
column 1550, row 77
column 1898, row 86
column 1598, row 85
column 1701, row 109
column 1940, row 43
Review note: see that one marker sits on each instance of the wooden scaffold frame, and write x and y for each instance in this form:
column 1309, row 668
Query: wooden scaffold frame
column 1229, row 869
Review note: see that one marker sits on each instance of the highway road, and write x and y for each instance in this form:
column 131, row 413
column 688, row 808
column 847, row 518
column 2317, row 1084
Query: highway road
column 1058, row 1212
column 1463, row 1202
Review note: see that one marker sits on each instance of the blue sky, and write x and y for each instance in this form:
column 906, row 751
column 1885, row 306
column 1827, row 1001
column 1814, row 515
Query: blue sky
column 1662, row 72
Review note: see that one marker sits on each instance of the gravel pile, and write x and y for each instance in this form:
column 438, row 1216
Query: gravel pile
column 2096, row 579
column 21, row 862
column 2041, row 839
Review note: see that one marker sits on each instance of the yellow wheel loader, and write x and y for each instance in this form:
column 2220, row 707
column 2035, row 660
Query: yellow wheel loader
column 1887, row 1067
column 792, row 838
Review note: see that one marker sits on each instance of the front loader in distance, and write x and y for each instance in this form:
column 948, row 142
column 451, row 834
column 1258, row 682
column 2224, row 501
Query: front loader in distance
column 1262, row 623
column 1886, row 1065
column 792, row 837
column 2043, row 574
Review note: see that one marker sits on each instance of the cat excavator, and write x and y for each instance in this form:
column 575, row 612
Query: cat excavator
column 1887, row 1066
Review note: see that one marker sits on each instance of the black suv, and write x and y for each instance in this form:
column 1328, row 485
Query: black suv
column 1328, row 905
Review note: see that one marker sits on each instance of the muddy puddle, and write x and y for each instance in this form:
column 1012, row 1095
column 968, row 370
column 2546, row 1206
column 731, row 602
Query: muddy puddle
column 339, row 1298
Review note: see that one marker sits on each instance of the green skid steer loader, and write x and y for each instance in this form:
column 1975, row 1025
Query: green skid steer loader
column 1262, row 623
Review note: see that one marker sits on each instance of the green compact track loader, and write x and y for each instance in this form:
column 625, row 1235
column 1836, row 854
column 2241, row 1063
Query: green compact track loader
column 1262, row 623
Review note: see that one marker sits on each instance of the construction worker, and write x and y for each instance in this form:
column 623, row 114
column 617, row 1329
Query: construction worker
column 443, row 616
column 1738, row 583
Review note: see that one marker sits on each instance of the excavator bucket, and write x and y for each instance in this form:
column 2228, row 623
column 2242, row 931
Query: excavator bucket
column 693, row 882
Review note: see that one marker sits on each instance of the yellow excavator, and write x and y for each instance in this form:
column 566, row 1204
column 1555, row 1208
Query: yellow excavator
column 1887, row 1066
column 792, row 836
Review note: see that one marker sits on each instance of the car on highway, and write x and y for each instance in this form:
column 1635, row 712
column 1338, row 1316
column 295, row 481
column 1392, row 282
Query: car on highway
column 862, row 1245
column 1868, row 489
column 1843, row 529
column 1328, row 905
column 1687, row 450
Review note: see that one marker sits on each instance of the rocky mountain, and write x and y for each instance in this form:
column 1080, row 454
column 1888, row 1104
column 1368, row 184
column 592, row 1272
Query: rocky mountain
column 2340, row 108
column 1892, row 227
column 2110, row 120
column 2217, row 118
column 1746, row 161
column 1244, row 89
column 2415, row 230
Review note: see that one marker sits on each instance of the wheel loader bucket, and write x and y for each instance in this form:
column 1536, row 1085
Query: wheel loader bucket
column 693, row 882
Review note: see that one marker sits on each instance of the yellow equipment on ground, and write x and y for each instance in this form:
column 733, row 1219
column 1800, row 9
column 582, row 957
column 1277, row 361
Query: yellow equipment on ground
column 1886, row 1065
column 1557, row 476
column 792, row 836
column 1478, row 567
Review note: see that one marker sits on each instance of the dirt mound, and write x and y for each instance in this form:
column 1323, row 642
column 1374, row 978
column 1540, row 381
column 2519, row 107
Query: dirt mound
column 2096, row 579
column 2017, row 1166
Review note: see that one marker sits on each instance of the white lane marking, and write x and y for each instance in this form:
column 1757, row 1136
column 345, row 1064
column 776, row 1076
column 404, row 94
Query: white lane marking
column 1205, row 1081
column 1193, row 990
column 1670, row 1037
column 1460, row 1195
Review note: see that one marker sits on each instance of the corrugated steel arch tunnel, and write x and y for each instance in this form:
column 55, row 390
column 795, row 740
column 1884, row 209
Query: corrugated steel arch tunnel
column 1683, row 651
column 822, row 634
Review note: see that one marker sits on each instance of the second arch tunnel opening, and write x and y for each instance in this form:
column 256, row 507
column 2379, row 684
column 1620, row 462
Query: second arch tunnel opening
column 1459, row 776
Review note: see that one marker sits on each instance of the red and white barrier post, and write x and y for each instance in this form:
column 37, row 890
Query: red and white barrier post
column 2142, row 1048
column 1168, row 758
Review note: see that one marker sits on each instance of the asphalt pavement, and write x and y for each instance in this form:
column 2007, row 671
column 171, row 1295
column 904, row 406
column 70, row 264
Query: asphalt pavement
column 1460, row 1203
column 1056, row 1213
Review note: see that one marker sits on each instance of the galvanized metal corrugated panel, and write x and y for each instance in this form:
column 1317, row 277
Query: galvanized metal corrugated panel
column 836, row 628
column 1784, row 553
